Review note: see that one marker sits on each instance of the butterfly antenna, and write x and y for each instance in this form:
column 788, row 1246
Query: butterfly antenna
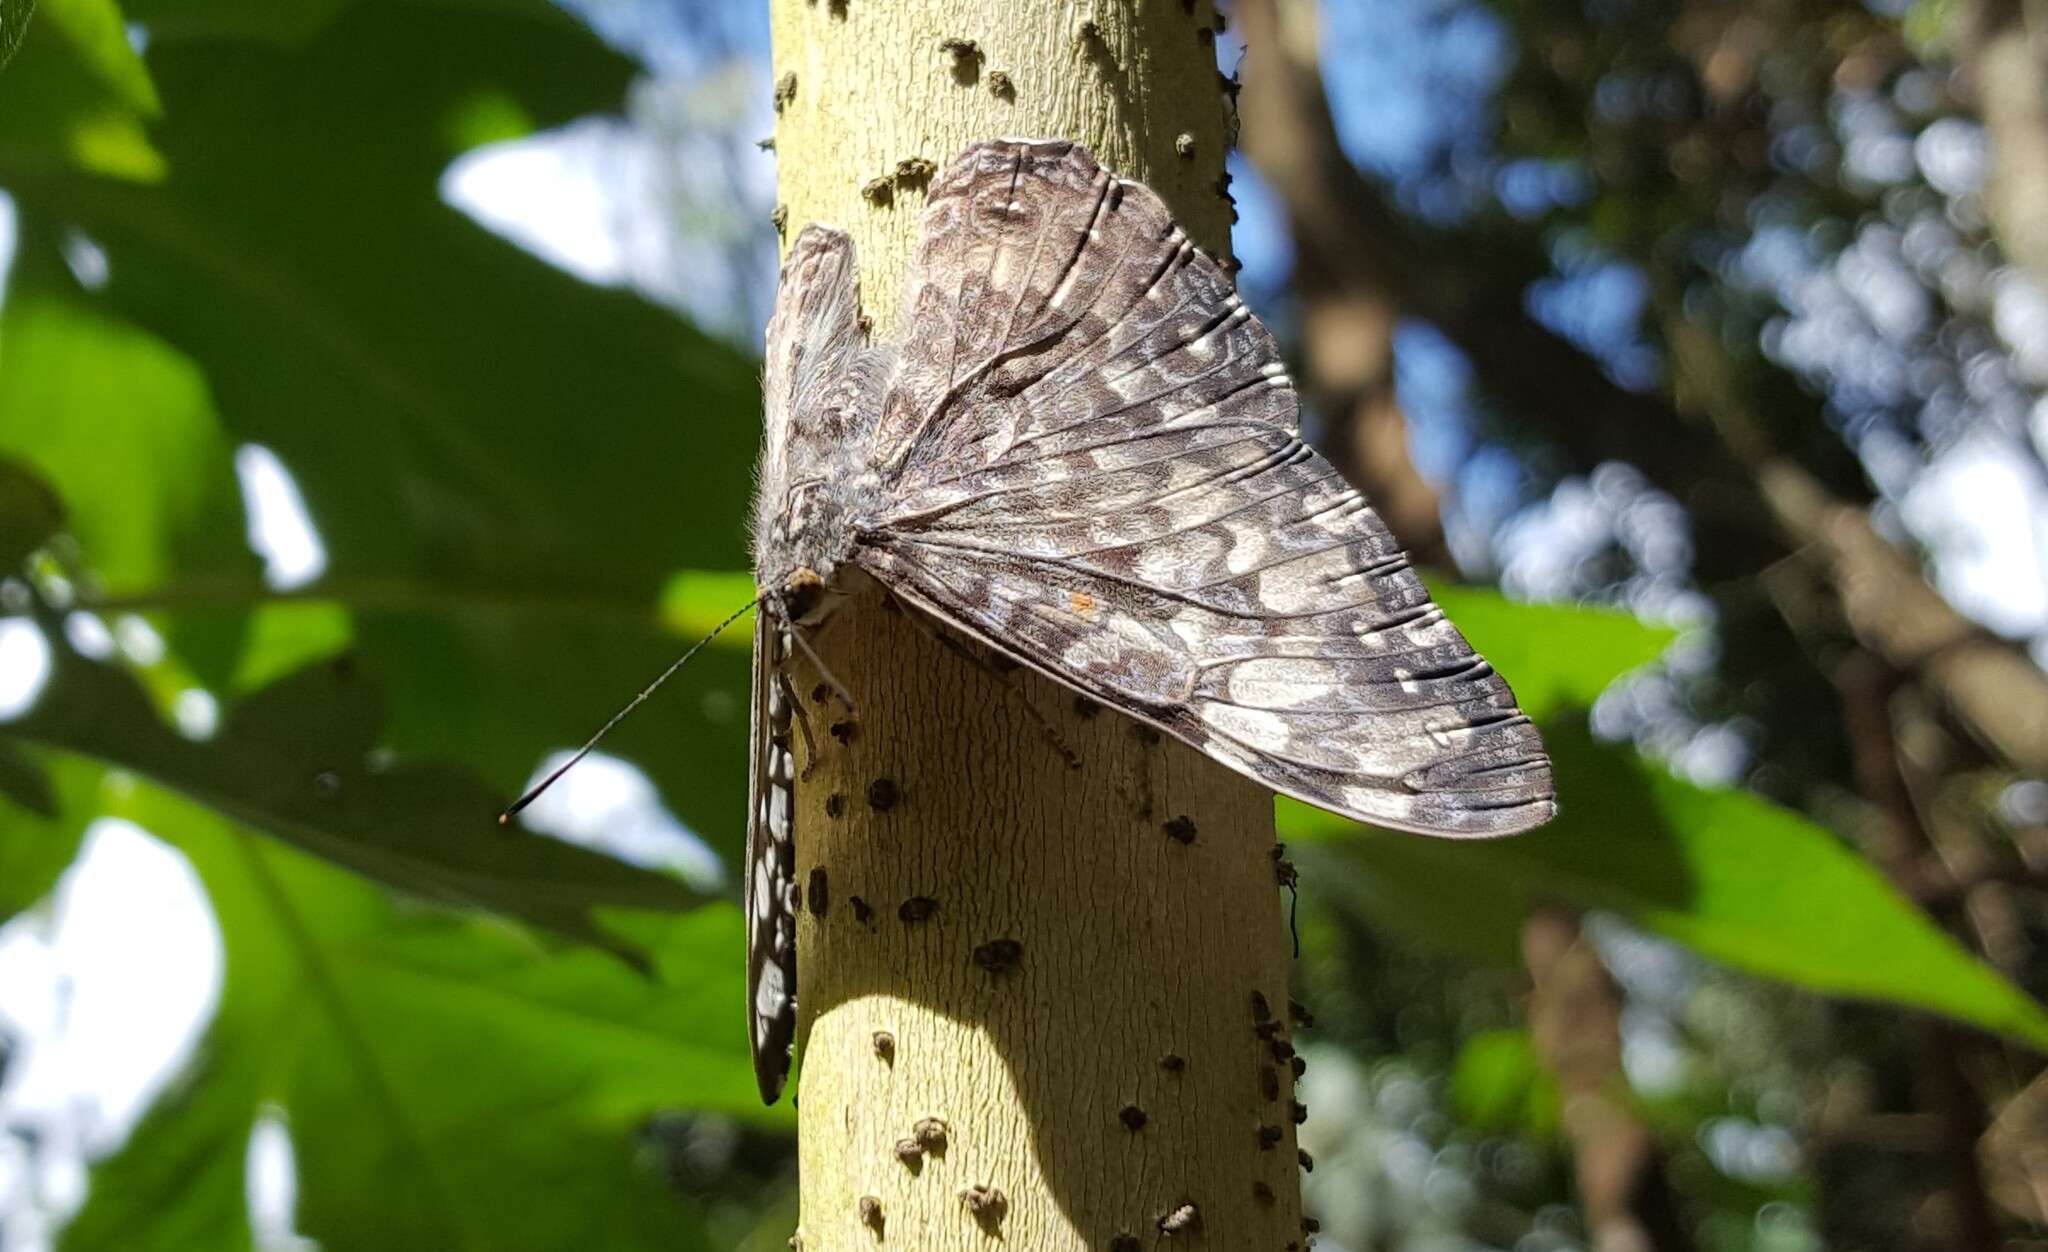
column 831, row 679
column 533, row 792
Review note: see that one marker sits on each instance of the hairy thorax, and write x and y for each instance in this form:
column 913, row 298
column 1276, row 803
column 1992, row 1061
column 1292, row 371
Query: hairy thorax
column 806, row 528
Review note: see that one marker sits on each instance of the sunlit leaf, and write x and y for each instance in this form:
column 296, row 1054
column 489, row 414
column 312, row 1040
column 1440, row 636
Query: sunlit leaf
column 695, row 602
column 76, row 95
column 447, row 1082
column 1737, row 879
column 297, row 761
column 122, row 426
column 1556, row 657
column 98, row 33
column 504, row 464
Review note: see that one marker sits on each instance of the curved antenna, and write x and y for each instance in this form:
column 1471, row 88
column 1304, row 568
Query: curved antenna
column 533, row 792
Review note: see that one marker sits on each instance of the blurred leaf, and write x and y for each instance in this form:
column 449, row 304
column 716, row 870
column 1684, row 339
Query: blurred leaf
column 296, row 21
column 295, row 760
column 1497, row 1085
column 99, row 35
column 180, row 1181
column 447, row 1082
column 30, row 513
column 503, row 463
column 120, row 424
column 1556, row 657
column 39, row 840
column 287, row 634
column 23, row 781
column 76, row 95
column 1734, row 878
column 694, row 603
column 14, row 16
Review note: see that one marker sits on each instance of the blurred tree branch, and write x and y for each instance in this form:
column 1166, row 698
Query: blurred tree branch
column 1355, row 246
column 1347, row 312
column 1901, row 844
column 1751, row 505
column 1575, row 1018
column 2002, row 58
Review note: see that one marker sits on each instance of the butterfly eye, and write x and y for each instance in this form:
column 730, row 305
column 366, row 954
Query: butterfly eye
column 802, row 595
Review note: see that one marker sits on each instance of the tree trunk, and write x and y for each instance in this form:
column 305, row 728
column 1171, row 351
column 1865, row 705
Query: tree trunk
column 1120, row 1077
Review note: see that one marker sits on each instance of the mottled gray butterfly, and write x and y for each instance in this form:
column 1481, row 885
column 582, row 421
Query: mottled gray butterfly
column 1082, row 453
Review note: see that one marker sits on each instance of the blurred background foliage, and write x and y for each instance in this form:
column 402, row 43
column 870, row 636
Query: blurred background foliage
column 377, row 409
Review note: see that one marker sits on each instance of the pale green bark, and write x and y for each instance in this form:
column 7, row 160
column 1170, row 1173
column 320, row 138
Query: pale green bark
column 1052, row 1079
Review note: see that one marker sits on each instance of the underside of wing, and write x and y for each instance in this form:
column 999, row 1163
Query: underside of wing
column 812, row 338
column 1099, row 473
column 771, row 869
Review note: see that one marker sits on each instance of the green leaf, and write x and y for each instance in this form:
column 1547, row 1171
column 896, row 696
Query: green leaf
column 1556, row 657
column 1736, row 879
column 296, row 761
column 76, row 95
column 448, row 1082
column 504, row 464
column 121, row 425
column 99, row 35
column 1497, row 1085
column 695, row 602
column 295, row 22
column 30, row 513
column 42, row 822
column 14, row 16
column 179, row 1182
column 285, row 635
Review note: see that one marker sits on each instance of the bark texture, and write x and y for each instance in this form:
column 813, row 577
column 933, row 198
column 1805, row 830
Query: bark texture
column 1041, row 1005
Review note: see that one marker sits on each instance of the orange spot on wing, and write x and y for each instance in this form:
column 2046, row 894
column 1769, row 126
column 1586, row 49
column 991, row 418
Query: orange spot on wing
column 1081, row 602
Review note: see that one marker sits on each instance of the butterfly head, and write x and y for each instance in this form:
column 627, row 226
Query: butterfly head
column 804, row 597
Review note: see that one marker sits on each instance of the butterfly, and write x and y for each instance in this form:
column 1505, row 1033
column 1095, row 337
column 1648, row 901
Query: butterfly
column 1082, row 453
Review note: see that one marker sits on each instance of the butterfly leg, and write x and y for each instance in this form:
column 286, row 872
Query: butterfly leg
column 831, row 680
column 803, row 725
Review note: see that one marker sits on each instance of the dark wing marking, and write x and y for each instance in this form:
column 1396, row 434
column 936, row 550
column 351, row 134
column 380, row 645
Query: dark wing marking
column 1096, row 470
column 771, row 866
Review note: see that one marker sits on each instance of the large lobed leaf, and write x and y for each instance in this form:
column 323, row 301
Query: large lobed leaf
column 1727, row 874
column 504, row 466
column 296, row 761
column 447, row 1081
column 503, row 463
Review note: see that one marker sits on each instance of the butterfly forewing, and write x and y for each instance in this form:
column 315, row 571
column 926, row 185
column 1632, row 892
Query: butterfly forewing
column 1102, row 477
